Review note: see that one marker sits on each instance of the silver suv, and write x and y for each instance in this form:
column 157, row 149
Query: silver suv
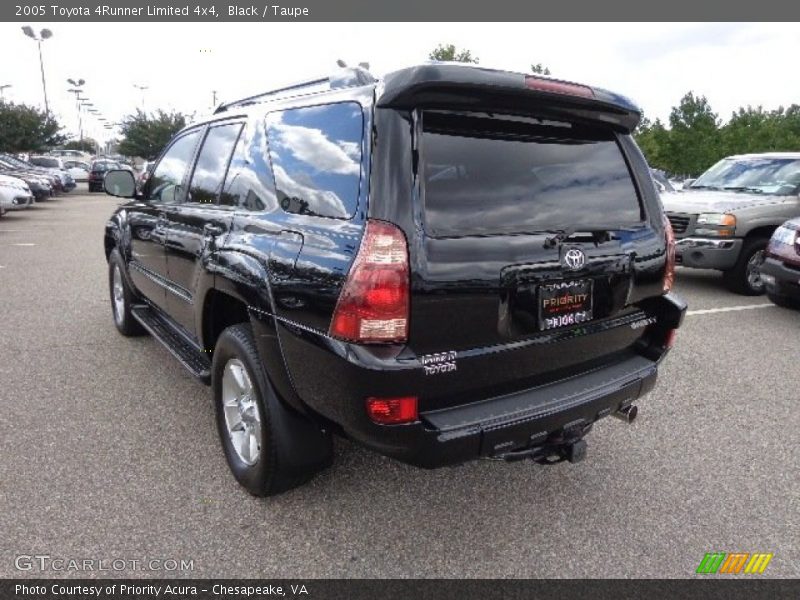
column 724, row 219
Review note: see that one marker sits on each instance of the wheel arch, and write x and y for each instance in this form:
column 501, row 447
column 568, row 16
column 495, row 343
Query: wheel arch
column 762, row 231
column 240, row 292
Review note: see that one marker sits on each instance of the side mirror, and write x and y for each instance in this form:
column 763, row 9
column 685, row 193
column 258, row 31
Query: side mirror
column 120, row 183
column 688, row 182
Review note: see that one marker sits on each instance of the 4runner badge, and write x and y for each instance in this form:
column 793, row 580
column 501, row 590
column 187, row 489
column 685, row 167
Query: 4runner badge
column 441, row 362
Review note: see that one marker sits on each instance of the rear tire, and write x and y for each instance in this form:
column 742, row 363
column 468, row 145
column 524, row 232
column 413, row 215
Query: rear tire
column 269, row 448
column 783, row 301
column 744, row 278
column 122, row 297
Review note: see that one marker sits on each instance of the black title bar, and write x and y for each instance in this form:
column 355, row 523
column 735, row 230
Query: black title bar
column 407, row 10
column 746, row 588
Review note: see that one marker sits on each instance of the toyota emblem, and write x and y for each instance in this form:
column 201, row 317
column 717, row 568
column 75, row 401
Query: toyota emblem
column 574, row 259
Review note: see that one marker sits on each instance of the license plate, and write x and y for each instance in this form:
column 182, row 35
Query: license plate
column 565, row 303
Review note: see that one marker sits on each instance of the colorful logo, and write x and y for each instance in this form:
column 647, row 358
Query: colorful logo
column 734, row 563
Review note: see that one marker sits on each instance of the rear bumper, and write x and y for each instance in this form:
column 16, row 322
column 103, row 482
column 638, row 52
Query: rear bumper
column 532, row 418
column 785, row 279
column 706, row 253
column 333, row 380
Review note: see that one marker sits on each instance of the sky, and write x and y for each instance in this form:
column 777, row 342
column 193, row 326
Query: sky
column 655, row 64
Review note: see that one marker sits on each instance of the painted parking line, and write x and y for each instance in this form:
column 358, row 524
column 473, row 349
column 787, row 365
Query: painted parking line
column 23, row 244
column 709, row 311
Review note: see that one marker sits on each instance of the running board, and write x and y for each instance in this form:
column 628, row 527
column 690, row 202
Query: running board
column 186, row 352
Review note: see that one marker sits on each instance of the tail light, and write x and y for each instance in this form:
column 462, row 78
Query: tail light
column 669, row 342
column 392, row 411
column 669, row 269
column 558, row 87
column 374, row 303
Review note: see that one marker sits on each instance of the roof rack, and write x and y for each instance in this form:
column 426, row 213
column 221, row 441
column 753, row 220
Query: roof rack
column 343, row 78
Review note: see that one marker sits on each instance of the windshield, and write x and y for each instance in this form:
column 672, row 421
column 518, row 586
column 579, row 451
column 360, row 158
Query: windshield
column 14, row 161
column 760, row 175
column 51, row 163
column 105, row 166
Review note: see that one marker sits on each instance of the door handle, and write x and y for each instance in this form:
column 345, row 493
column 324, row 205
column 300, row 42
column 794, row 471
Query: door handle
column 210, row 229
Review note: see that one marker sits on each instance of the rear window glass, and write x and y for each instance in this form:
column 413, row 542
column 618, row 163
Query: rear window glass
column 491, row 176
column 316, row 158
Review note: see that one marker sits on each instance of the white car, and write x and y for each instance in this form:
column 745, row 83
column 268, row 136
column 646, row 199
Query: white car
column 79, row 170
column 14, row 193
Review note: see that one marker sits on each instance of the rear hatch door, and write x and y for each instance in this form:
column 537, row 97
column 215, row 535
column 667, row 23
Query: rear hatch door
column 531, row 229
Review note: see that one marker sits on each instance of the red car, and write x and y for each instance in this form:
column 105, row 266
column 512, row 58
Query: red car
column 781, row 269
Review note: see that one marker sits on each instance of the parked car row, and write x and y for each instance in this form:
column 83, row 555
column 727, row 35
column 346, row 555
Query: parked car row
column 24, row 182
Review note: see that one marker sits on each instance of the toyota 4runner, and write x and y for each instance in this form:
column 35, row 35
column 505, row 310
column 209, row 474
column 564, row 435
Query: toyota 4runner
column 445, row 264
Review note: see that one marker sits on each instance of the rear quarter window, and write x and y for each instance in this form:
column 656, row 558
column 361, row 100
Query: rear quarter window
column 316, row 158
column 485, row 176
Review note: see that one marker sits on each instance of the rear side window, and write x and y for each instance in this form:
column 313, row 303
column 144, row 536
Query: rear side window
column 492, row 177
column 249, row 184
column 316, row 158
column 166, row 184
column 212, row 162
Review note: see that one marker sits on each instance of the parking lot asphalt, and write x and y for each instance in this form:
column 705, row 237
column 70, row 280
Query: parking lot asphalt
column 108, row 450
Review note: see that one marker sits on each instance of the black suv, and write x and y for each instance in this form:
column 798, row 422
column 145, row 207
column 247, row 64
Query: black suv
column 448, row 263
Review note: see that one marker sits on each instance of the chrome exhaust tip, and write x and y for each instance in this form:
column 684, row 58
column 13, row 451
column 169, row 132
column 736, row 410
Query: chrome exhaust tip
column 627, row 413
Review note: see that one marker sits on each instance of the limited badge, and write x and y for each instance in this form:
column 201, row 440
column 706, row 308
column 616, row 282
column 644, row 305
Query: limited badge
column 441, row 362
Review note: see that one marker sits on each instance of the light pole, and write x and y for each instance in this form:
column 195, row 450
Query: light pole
column 76, row 89
column 3, row 89
column 44, row 34
column 142, row 89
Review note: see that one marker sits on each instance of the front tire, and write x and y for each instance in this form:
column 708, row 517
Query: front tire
column 269, row 448
column 121, row 297
column 745, row 276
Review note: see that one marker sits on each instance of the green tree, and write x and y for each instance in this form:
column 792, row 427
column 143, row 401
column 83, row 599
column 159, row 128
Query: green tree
column 25, row 128
column 653, row 140
column 756, row 130
column 695, row 139
column 145, row 135
column 85, row 145
column 694, row 142
column 448, row 52
column 540, row 69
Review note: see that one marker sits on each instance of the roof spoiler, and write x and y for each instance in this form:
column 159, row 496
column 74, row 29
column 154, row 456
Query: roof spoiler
column 448, row 86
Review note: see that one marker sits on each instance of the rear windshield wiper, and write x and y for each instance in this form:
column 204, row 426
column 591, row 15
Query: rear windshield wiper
column 560, row 236
column 744, row 188
column 599, row 234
